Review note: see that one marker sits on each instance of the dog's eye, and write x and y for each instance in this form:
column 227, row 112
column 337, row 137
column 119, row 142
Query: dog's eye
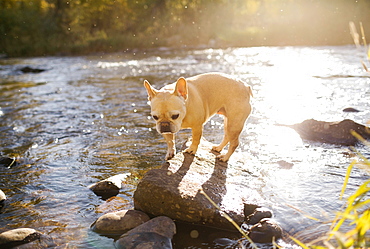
column 155, row 117
column 175, row 116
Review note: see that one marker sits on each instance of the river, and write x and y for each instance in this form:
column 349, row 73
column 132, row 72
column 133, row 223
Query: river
column 86, row 118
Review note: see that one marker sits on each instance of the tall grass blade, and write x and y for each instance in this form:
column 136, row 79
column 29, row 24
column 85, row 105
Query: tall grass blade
column 349, row 169
column 354, row 34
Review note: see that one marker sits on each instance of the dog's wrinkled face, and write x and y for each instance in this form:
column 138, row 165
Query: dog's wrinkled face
column 167, row 108
column 168, row 111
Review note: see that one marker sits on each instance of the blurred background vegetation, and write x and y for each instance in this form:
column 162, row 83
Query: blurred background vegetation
column 57, row 27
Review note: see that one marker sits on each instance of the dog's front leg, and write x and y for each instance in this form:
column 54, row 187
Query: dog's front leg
column 171, row 148
column 196, row 136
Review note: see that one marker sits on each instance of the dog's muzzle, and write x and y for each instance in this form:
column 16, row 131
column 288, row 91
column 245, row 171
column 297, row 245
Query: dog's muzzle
column 165, row 127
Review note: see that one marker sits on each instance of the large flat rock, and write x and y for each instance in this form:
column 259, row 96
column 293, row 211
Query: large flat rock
column 331, row 132
column 174, row 190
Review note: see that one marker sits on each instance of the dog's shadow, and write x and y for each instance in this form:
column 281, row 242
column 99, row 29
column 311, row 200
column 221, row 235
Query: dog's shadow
column 215, row 186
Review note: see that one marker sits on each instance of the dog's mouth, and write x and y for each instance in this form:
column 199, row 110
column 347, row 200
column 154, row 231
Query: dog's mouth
column 166, row 127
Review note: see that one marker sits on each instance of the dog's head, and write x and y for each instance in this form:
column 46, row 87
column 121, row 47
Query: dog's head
column 168, row 105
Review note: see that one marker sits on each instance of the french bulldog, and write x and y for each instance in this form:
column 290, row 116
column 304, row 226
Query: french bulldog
column 189, row 103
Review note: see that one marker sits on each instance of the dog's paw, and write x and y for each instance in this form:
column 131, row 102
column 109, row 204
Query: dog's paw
column 170, row 154
column 223, row 158
column 191, row 150
column 216, row 148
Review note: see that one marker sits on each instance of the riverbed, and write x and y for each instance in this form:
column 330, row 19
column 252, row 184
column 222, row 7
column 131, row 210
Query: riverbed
column 87, row 118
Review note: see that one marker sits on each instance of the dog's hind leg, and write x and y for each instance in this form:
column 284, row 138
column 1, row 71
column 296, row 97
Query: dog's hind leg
column 232, row 134
column 225, row 140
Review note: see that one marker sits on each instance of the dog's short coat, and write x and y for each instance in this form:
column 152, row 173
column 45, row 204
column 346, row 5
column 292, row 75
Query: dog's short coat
column 189, row 103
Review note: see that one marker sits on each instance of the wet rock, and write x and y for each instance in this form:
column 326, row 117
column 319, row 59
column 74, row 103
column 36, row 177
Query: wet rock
column 174, row 190
column 113, row 204
column 2, row 199
column 110, row 186
column 154, row 234
column 18, row 237
column 266, row 231
column 331, row 132
column 249, row 209
column 7, row 162
column 119, row 222
column 28, row 69
column 258, row 214
column 350, row 109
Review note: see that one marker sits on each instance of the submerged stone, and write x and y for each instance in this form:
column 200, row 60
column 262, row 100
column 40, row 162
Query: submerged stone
column 7, row 162
column 154, row 234
column 119, row 222
column 28, row 69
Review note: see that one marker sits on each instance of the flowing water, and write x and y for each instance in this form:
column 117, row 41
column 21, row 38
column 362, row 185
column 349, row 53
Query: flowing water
column 86, row 118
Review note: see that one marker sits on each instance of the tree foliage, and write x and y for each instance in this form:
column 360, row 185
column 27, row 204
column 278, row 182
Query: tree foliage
column 38, row 27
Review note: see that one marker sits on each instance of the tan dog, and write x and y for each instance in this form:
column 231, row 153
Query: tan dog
column 189, row 103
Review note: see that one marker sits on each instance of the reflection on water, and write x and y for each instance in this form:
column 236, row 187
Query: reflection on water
column 86, row 118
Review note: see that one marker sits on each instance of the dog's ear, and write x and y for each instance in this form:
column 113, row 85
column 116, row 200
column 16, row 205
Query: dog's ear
column 150, row 90
column 181, row 88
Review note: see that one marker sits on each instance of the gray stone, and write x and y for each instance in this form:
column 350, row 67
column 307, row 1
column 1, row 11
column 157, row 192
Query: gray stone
column 110, row 186
column 258, row 214
column 174, row 190
column 119, row 222
column 266, row 231
column 18, row 237
column 144, row 240
column 154, row 234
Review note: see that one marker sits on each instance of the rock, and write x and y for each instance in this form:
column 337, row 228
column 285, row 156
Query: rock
column 2, row 199
column 331, row 132
column 113, row 204
column 154, row 234
column 174, row 190
column 146, row 240
column 16, row 237
column 350, row 109
column 258, row 214
column 284, row 164
column 7, row 162
column 109, row 187
column 266, row 231
column 28, row 69
column 119, row 222
column 249, row 209
column 2, row 196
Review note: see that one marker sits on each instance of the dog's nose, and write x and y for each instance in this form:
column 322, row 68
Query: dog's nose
column 165, row 127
